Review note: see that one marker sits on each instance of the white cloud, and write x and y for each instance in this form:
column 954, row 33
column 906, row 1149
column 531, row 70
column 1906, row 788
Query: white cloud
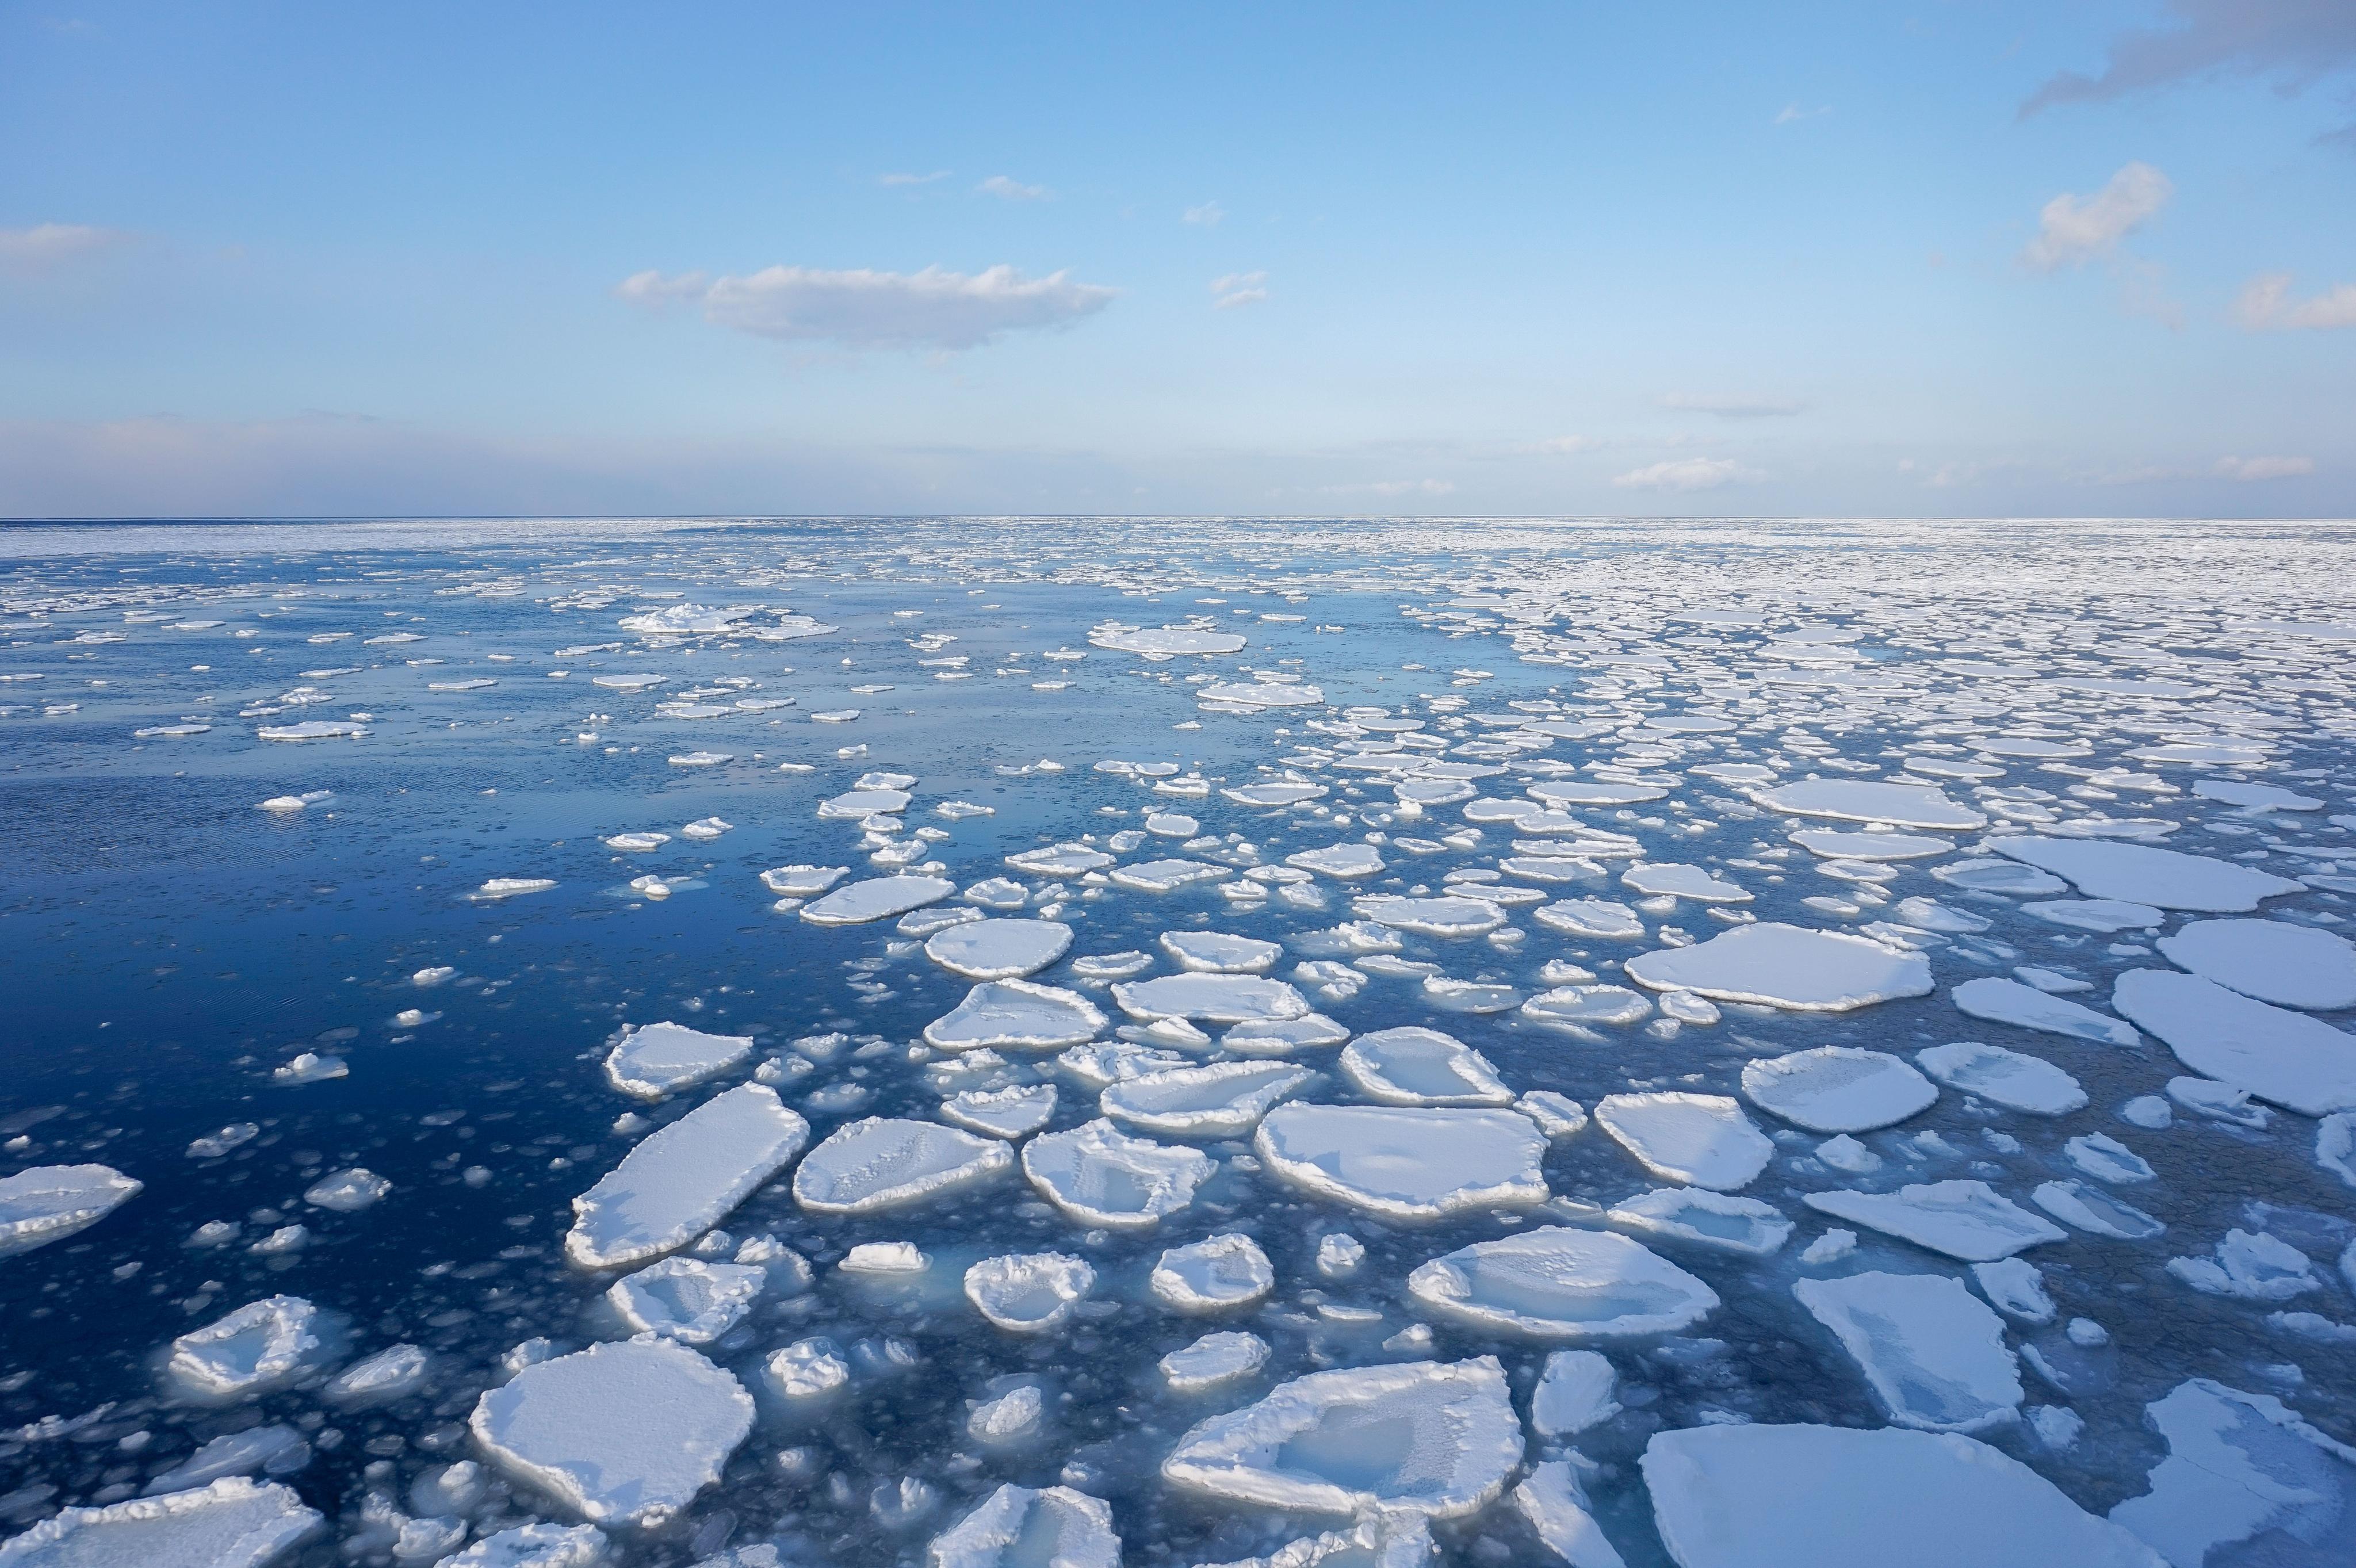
column 1239, row 289
column 1562, row 446
column 2295, row 42
column 913, row 178
column 1793, row 113
column 1728, row 407
column 2251, row 468
column 865, row 309
column 2265, row 302
column 1687, row 473
column 46, row 245
column 1006, row 189
column 2071, row 230
column 1208, row 214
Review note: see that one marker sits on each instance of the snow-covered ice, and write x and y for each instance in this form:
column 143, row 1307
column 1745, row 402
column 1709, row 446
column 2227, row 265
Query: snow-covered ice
column 1701, row 1139
column 1964, row 1220
column 1787, row 966
column 48, row 1203
column 889, row 1162
column 1559, row 1284
column 1933, row 1352
column 1837, row 1089
column 652, row 1060
column 683, row 1178
column 1101, row 1176
column 1406, row 1163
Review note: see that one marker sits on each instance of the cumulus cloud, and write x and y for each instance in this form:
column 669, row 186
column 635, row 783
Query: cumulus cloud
column 2294, row 42
column 47, row 245
column 865, row 309
column 912, row 179
column 1239, row 289
column 2251, row 468
column 1732, row 407
column 1687, row 473
column 1208, row 214
column 2265, row 303
column 1005, row 190
column 2073, row 230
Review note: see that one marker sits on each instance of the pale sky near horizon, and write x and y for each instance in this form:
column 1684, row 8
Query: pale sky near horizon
column 1952, row 258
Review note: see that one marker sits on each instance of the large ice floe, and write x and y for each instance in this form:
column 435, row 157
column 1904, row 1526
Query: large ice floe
column 1968, row 1220
column 624, row 1433
column 49, row 1203
column 1100, row 1176
column 1016, row 1015
column 1205, row 996
column 1420, row 1438
column 1701, row 1139
column 2272, row 961
column 1222, row 1099
column 1828, row 1496
column 1415, row 1066
column 2001, row 1001
column 1559, row 1284
column 2009, row 1078
column 652, row 1060
column 890, row 1162
column 2142, row 873
column 1406, row 1163
column 1837, row 1089
column 1933, row 1353
column 2243, row 1468
column 683, row 1178
column 2276, row 1054
column 998, row 950
column 233, row 1522
column 877, row 898
column 1871, row 801
column 1788, row 966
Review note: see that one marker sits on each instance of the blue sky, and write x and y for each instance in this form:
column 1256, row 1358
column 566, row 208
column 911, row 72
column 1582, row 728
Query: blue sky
column 1957, row 259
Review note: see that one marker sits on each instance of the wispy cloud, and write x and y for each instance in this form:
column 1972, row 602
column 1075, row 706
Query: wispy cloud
column 863, row 309
column 1208, row 214
column 48, row 245
column 1006, row 189
column 1239, row 289
column 912, row 179
column 2266, row 304
column 2253, row 468
column 2294, row 42
column 1561, row 446
column 1687, row 473
column 2073, row 230
column 1728, row 406
column 1792, row 114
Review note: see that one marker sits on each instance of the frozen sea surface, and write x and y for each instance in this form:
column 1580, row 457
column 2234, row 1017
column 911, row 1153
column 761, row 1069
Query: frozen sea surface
column 1144, row 1041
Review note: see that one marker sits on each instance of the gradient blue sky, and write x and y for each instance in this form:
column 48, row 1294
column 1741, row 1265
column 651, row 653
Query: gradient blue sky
column 1952, row 258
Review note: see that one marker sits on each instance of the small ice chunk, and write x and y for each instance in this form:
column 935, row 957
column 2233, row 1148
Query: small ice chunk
column 1211, row 1275
column 1014, row 1416
column 1419, row 1437
column 1345, row 861
column 262, row 1346
column 1339, row 1255
column 1556, row 1282
column 1787, row 966
column 1873, row 800
column 1210, row 998
column 347, row 1192
column 1101, row 1176
column 1706, row 1218
column 1837, row 1089
column 1214, row 1360
column 2101, row 916
column 1551, row 1497
column 2249, row 1265
column 1011, row 1113
column 48, row 1203
column 535, row 1545
column 802, row 881
column 1591, row 917
column 1415, row 1066
column 805, row 1369
column 1577, row 1007
column 1406, row 1163
column 1028, row 1293
column 1934, row 1355
column 1829, row 1247
column 1215, row 952
column 2015, row 1081
column 686, row 1299
column 1832, row 843
column 1967, row 1220
column 2088, row 1208
column 2278, row 1055
column 998, row 950
column 652, row 1060
column 1684, row 882
column 1573, row 1393
column 380, row 1379
column 1017, row 1527
column 622, row 1433
column 1004, row 1014
column 513, row 887
column 2016, row 1289
column 2104, row 1158
column 1701, row 1139
column 890, row 1162
column 2004, row 1000
column 683, row 1178
column 234, row 1522
column 1558, row 1115
column 884, row 1258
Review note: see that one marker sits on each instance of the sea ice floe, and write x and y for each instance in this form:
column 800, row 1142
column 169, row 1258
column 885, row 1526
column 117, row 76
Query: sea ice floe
column 2272, row 961
column 1163, row 875
column 1214, row 1360
column 1100, row 1176
column 1577, row 1007
column 1210, row 998
column 1933, row 1354
column 2009, row 1078
column 1214, row 1274
column 686, row 1299
column 2277, row 1055
column 1017, row 1527
column 1684, row 882
column 1591, row 917
column 1871, row 801
column 260, row 1346
column 1967, row 1220
column 48, row 1203
column 1573, row 1393
column 1417, row 1437
column 1164, row 642
column 2242, row 1467
column 1556, row 1114
column 234, row 1522
column 2103, row 916
column 346, row 1191
column 1223, row 1100
column 1703, row 1140
column 1755, row 1496
column 2249, row 1265
column 1028, row 1293
column 313, row 729
column 882, row 1258
column 802, row 881
column 1837, row 1089
column 380, row 1379
column 1834, row 845
column 1415, row 1066
column 1559, row 1284
column 1786, row 966
column 1281, row 1036
column 1705, row 1217
column 2001, row 1001
column 1555, row 1502
column 1003, row 1014
column 1447, row 916
column 2085, row 1207
column 890, row 1162
column 683, row 1178
column 1060, row 860
column 624, row 1433
column 2107, row 1159
column 536, row 1545
column 998, row 950
column 1991, row 875
column 805, row 1369
column 499, row 887
column 877, row 898
column 1215, row 952
column 1341, row 860
column 2139, row 873
column 652, row 1060
column 1013, row 1112
column 1406, row 1163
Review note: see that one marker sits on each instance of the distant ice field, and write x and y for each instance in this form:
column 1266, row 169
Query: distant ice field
column 768, row 1042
